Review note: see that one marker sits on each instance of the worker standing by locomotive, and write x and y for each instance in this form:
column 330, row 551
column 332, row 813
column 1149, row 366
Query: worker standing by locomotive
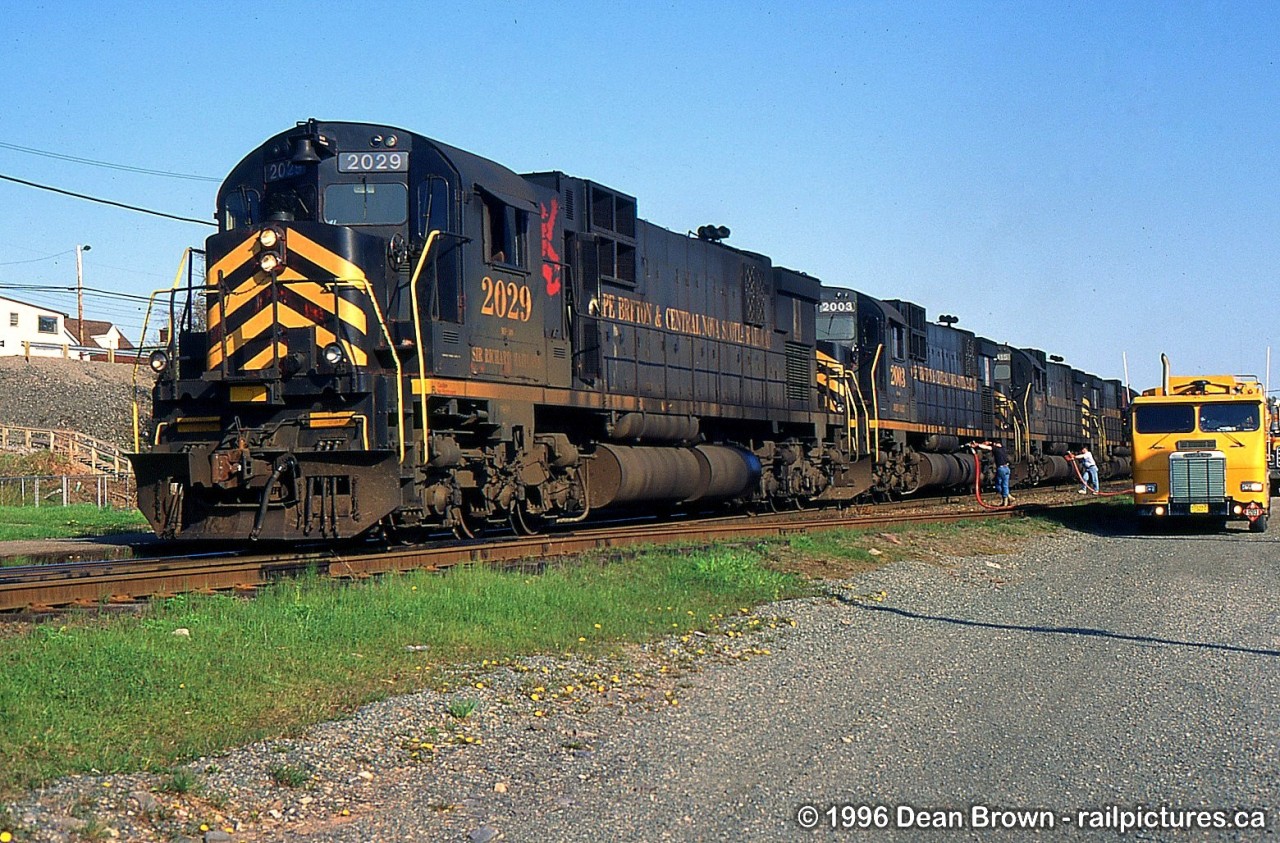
column 1088, row 470
column 1001, row 459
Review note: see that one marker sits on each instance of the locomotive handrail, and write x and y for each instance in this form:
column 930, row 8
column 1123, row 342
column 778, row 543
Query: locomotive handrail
column 362, row 284
column 1026, row 414
column 862, row 402
column 186, row 256
column 417, row 333
column 875, row 401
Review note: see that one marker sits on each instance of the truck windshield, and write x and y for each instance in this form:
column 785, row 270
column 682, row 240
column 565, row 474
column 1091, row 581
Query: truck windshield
column 1164, row 418
column 1227, row 418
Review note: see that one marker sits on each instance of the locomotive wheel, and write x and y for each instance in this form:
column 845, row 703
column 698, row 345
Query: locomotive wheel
column 461, row 529
column 524, row 523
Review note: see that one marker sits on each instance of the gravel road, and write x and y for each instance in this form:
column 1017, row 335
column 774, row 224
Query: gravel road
column 1086, row 671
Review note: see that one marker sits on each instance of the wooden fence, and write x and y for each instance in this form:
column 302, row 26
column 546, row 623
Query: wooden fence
column 94, row 454
column 116, row 491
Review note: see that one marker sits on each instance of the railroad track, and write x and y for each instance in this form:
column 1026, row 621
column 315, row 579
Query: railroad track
column 39, row 588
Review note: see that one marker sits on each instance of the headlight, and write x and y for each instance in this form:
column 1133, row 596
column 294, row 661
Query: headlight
column 1144, row 488
column 1159, row 510
column 1251, row 486
column 269, row 238
column 269, row 261
column 333, row 354
column 158, row 361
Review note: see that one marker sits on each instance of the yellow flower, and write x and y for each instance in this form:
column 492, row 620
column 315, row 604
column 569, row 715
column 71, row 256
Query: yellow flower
column 597, row 626
column 5, row 837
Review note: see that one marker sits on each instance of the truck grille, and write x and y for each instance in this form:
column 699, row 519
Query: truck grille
column 1197, row 478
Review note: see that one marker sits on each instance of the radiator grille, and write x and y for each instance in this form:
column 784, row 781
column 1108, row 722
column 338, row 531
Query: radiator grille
column 1197, row 478
column 799, row 374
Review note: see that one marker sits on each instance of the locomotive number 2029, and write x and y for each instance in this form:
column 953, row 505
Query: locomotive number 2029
column 506, row 299
column 373, row 162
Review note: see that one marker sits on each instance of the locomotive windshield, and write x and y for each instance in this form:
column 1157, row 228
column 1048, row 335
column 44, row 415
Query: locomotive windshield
column 241, row 207
column 837, row 321
column 366, row 203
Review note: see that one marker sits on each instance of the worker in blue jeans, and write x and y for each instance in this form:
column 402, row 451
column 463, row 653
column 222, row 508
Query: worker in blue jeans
column 1088, row 470
column 1001, row 459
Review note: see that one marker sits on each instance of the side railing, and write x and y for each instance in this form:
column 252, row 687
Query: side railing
column 88, row 451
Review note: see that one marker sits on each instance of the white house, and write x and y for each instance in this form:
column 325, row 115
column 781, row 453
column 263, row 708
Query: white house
column 98, row 334
column 44, row 329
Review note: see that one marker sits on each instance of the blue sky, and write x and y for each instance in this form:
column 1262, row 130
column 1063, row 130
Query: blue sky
column 1087, row 178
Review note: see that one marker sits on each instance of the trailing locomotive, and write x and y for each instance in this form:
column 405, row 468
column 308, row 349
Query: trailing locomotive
column 398, row 334
column 924, row 390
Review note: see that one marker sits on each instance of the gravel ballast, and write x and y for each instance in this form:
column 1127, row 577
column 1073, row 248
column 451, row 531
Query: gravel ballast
column 1085, row 671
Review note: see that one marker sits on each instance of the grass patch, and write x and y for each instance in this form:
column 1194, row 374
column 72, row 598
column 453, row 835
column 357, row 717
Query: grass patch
column 119, row 694
column 180, row 781
column 37, row 462
column 59, row 522
column 462, row 709
column 290, row 775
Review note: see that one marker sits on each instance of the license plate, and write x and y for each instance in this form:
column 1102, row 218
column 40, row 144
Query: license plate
column 1199, row 509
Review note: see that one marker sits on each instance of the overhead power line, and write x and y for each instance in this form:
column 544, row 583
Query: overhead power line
column 38, row 260
column 107, row 164
column 107, row 201
column 49, row 288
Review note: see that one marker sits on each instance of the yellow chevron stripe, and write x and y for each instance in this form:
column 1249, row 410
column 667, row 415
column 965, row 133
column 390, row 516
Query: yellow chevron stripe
column 289, row 318
column 340, row 268
column 233, row 341
column 267, row 356
column 320, row 297
column 231, row 261
column 238, row 297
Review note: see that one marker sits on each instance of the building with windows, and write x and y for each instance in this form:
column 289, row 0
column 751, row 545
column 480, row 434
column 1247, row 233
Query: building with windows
column 36, row 331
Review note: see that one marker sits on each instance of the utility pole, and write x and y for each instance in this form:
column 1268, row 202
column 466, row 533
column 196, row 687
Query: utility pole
column 80, row 293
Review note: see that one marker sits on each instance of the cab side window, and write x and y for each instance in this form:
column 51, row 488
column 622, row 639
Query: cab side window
column 506, row 233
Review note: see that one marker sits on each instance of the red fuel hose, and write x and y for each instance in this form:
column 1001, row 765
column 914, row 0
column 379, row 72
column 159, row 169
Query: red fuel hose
column 1099, row 493
column 977, row 486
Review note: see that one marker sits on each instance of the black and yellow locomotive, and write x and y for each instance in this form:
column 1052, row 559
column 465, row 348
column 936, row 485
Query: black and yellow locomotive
column 397, row 333
column 924, row 390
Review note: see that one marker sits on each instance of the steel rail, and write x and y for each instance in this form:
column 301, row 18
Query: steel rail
column 90, row 583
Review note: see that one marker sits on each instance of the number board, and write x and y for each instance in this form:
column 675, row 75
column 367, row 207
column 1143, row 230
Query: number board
column 836, row 307
column 277, row 170
column 373, row 162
